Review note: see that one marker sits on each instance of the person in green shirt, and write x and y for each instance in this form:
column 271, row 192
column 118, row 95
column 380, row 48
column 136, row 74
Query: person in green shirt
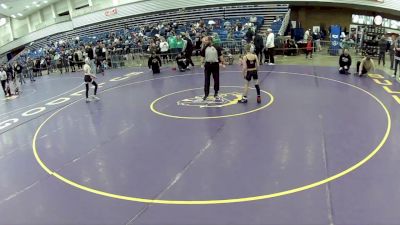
column 179, row 43
column 172, row 42
column 216, row 40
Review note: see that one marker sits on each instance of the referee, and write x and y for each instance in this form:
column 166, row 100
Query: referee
column 210, row 58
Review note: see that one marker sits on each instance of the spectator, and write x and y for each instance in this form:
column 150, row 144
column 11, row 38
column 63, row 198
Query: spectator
column 18, row 72
column 259, row 46
column 164, row 48
column 179, row 43
column 382, row 50
column 309, row 47
column 249, row 35
column 29, row 68
column 291, row 47
column 365, row 66
column 344, row 62
column 3, row 79
column 270, row 46
column 154, row 63
column 182, row 62
column 227, row 24
column 392, row 51
column 172, row 45
column 306, row 35
column 253, row 19
column 239, row 26
column 397, row 56
column 188, row 50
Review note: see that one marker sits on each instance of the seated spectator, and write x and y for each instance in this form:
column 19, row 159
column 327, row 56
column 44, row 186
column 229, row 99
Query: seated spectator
column 344, row 62
column 291, row 47
column 253, row 19
column 227, row 25
column 239, row 26
column 182, row 62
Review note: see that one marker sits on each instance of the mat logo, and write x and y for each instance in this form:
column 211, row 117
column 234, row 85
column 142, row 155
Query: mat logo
column 226, row 99
column 56, row 103
column 387, row 85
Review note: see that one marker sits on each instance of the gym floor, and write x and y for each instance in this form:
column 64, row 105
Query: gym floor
column 321, row 148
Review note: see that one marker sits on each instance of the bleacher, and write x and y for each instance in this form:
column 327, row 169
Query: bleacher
column 266, row 14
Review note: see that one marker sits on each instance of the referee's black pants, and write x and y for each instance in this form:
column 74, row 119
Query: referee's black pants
column 211, row 68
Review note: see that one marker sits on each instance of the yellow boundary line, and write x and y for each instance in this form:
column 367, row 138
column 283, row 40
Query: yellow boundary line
column 222, row 201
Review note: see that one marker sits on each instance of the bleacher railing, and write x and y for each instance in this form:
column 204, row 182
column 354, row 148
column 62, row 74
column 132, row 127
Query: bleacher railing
column 285, row 23
column 232, row 52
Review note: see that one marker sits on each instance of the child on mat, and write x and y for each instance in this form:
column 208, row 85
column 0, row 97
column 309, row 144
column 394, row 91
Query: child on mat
column 154, row 63
column 250, row 68
column 89, row 78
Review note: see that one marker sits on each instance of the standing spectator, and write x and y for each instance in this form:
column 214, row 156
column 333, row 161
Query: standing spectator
column 198, row 43
column 309, row 47
column 80, row 61
column 306, row 35
column 392, row 51
column 164, row 48
column 179, row 43
column 37, row 69
column 382, row 50
column 29, row 68
column 259, row 46
column 100, row 57
column 270, row 46
column 18, row 73
column 317, row 38
column 249, row 35
column 10, row 72
column 188, row 49
column 65, row 62
column 397, row 56
column 71, row 61
column 172, row 45
column 3, row 79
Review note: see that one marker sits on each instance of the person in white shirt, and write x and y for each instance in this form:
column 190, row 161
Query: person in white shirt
column 306, row 35
column 253, row 19
column 269, row 47
column 89, row 78
column 3, row 78
column 164, row 48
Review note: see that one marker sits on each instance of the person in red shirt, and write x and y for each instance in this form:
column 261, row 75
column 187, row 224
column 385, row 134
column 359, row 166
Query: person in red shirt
column 309, row 47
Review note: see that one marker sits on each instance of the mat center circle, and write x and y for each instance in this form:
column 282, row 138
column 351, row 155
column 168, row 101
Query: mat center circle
column 189, row 104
